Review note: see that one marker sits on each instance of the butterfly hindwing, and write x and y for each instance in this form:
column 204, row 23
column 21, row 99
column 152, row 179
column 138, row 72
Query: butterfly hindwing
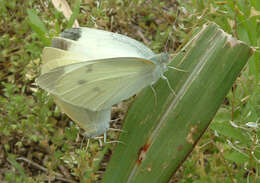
column 93, row 122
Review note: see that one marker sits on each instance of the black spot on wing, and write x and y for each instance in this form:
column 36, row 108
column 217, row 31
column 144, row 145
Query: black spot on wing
column 96, row 89
column 73, row 33
column 82, row 81
column 60, row 43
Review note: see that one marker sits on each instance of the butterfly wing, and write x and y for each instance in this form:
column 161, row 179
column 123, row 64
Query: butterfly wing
column 54, row 57
column 92, row 44
column 94, row 123
column 99, row 44
column 97, row 85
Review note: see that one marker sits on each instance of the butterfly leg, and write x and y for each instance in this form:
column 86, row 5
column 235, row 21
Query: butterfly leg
column 115, row 120
column 99, row 140
column 105, row 139
column 81, row 144
column 169, row 85
column 110, row 142
column 88, row 143
column 116, row 130
column 155, row 95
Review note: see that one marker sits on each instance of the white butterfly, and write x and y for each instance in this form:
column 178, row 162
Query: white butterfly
column 90, row 70
column 114, row 70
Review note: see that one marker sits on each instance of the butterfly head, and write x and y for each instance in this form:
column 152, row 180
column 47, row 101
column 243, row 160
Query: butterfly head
column 161, row 60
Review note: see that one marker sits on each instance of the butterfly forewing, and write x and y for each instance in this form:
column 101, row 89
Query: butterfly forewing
column 99, row 44
column 99, row 81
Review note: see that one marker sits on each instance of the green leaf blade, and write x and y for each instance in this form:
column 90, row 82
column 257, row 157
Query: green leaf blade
column 160, row 135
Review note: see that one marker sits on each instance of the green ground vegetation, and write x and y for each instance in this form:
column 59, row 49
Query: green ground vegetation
column 38, row 143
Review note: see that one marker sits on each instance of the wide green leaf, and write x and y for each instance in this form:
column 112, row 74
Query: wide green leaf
column 162, row 130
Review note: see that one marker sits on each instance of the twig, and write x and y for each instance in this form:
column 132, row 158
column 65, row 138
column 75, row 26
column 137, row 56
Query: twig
column 65, row 171
column 225, row 163
column 58, row 176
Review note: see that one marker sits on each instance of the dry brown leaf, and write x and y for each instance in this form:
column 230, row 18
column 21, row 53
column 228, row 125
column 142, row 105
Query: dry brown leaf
column 63, row 6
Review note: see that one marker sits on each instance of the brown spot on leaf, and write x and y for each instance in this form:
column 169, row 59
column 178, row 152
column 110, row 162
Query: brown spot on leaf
column 180, row 147
column 189, row 138
column 142, row 153
column 193, row 130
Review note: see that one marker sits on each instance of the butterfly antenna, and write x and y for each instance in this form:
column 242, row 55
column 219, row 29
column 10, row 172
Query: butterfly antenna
column 169, row 85
column 171, row 31
column 155, row 95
